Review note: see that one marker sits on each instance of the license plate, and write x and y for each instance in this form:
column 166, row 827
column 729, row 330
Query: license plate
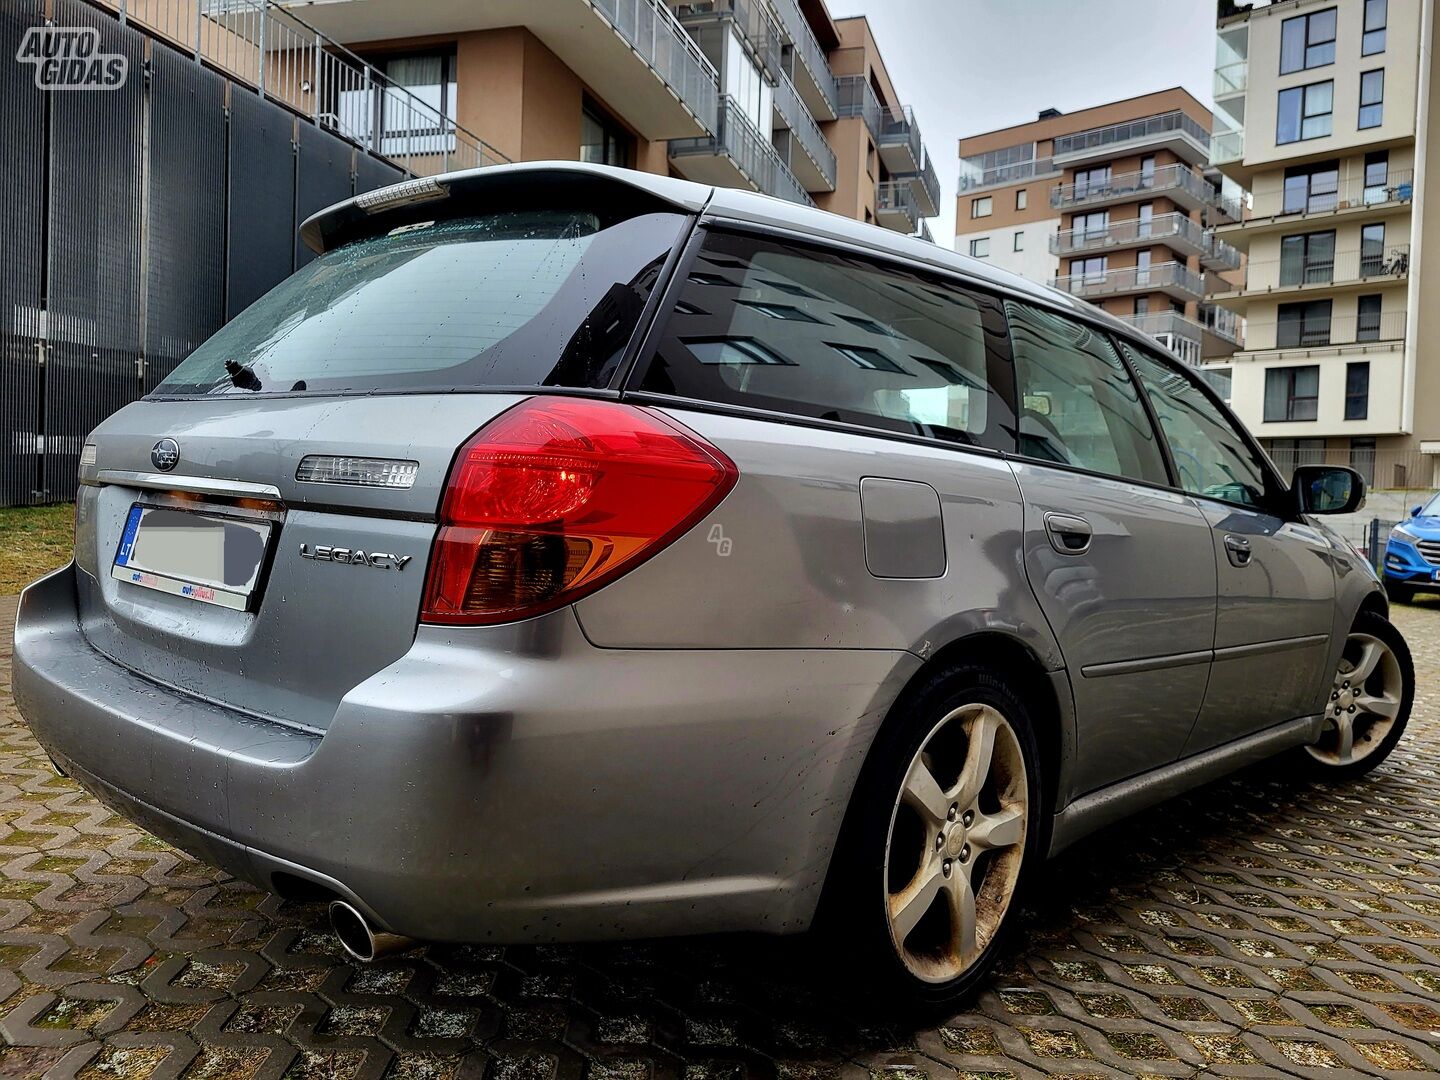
column 204, row 557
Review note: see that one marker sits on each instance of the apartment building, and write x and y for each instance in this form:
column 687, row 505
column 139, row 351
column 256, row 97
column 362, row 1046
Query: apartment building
column 772, row 95
column 1113, row 204
column 1323, row 112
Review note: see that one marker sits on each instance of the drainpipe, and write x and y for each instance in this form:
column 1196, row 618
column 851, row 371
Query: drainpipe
column 1417, row 220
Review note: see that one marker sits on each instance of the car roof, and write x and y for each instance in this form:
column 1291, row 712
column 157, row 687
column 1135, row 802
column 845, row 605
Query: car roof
column 326, row 228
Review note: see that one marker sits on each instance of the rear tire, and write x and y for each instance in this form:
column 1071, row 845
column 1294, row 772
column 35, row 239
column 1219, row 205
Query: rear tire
column 1368, row 705
column 944, row 832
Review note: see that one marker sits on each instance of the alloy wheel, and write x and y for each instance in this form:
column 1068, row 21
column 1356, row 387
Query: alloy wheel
column 956, row 843
column 1364, row 701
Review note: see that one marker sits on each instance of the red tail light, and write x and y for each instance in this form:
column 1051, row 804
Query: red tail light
column 558, row 496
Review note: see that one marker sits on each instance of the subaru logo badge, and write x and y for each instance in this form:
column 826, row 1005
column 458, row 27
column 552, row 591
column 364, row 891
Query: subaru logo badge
column 165, row 455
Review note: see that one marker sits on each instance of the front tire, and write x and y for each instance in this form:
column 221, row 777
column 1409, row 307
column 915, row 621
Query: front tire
column 945, row 828
column 1368, row 705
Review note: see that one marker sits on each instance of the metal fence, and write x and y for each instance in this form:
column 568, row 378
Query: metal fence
column 138, row 219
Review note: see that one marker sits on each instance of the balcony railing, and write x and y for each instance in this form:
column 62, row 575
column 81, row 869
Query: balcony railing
column 898, row 129
column 259, row 43
column 929, row 186
column 856, row 97
column 1232, row 78
column 1158, row 229
column 897, row 197
column 1161, row 277
column 1227, row 146
column 1319, row 333
column 1222, row 322
column 1165, row 323
column 804, row 129
column 973, row 176
column 760, row 32
column 1218, row 255
column 1141, row 185
column 738, row 139
column 1151, row 127
column 653, row 31
column 808, row 52
column 1349, row 194
column 1330, row 268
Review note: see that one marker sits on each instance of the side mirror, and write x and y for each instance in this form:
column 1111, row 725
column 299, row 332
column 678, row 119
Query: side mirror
column 1327, row 489
column 1415, row 511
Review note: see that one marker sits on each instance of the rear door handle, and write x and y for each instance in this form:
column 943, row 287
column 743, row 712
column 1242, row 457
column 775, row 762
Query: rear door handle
column 1069, row 535
column 1237, row 550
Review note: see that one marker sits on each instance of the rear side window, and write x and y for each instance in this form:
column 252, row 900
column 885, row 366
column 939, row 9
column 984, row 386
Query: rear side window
column 811, row 332
column 509, row 299
column 1211, row 458
column 1078, row 404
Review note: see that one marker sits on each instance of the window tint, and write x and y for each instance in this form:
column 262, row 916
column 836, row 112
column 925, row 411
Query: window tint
column 1210, row 456
column 774, row 325
column 1078, row 405
column 515, row 298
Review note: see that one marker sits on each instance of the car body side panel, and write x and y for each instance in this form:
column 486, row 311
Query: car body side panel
column 794, row 574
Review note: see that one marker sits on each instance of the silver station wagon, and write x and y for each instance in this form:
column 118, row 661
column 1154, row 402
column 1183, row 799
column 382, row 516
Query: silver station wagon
column 567, row 553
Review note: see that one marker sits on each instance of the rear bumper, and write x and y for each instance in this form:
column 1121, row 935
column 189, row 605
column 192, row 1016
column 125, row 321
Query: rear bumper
column 504, row 783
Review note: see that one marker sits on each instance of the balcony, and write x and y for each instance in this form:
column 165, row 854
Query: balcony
column 1166, row 326
column 1232, row 78
column 899, row 141
column 632, row 53
column 806, row 150
column 895, row 206
column 1221, row 323
column 1218, row 255
column 1178, row 183
column 1170, row 278
column 1348, row 333
column 737, row 155
column 974, row 176
column 1325, row 272
column 1351, row 196
column 813, row 78
column 1174, row 131
column 856, row 97
column 1227, row 147
column 761, row 34
column 1175, row 231
column 927, row 187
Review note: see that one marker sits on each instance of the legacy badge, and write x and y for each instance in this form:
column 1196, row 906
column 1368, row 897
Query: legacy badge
column 380, row 560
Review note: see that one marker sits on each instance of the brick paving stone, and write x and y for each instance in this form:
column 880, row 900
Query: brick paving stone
column 1258, row 927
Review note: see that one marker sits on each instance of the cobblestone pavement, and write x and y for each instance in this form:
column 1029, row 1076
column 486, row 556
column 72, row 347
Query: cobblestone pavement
column 1255, row 928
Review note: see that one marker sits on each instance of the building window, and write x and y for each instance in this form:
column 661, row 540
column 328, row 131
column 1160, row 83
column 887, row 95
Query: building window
column 1220, row 380
column 980, row 247
column 602, row 141
column 1312, row 189
column 1377, row 176
column 1303, row 325
column 1367, row 318
column 1143, row 259
column 747, row 86
column 1146, row 221
column 1091, row 181
column 1304, row 112
column 1289, row 454
column 984, row 206
column 1022, row 198
column 1093, row 226
column 1362, row 459
column 1372, row 250
column 394, row 121
column 1307, row 258
column 1142, row 305
column 1357, row 390
column 1019, row 241
column 1372, row 98
column 1307, row 41
column 1375, row 17
column 1292, row 393
column 1091, row 271
column 1147, row 171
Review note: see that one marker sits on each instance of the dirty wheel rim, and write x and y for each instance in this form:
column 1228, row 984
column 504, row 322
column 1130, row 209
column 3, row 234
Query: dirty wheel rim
column 956, row 842
column 1364, row 702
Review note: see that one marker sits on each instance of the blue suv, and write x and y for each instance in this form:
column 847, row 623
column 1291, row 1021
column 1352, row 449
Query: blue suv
column 1412, row 553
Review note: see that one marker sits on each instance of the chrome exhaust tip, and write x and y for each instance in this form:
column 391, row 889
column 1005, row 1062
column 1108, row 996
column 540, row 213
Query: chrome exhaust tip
column 360, row 939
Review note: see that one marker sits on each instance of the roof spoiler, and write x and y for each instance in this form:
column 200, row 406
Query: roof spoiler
column 624, row 193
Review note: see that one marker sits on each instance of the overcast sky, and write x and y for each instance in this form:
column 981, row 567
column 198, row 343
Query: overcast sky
column 968, row 66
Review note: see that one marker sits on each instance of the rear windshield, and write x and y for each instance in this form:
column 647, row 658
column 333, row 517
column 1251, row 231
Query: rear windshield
column 513, row 299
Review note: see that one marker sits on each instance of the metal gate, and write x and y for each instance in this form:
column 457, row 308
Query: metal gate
column 133, row 223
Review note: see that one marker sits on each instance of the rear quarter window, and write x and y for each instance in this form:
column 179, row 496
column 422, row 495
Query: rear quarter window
column 812, row 332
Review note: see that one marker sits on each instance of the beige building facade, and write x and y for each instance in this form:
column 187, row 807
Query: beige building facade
column 1323, row 113
column 772, row 95
column 1113, row 204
